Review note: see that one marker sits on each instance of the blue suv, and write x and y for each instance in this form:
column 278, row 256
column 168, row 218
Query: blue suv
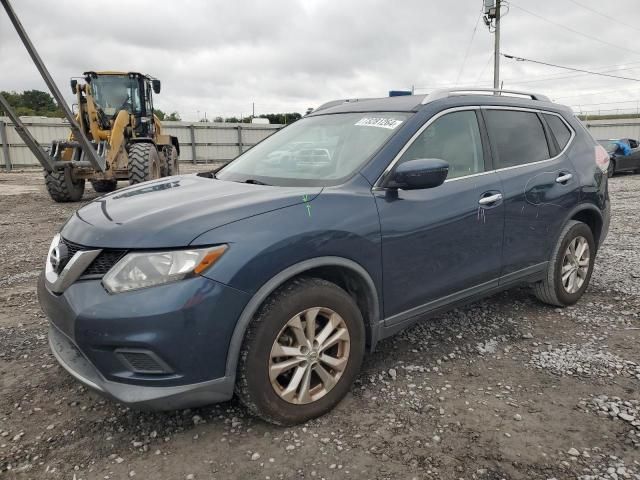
column 272, row 276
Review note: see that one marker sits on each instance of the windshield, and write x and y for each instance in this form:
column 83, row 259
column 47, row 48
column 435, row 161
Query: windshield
column 113, row 93
column 315, row 151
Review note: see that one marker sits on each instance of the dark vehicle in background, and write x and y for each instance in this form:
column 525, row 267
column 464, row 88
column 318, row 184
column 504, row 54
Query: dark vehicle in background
column 271, row 279
column 624, row 155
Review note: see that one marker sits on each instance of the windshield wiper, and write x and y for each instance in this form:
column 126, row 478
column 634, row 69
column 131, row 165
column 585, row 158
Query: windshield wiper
column 254, row 182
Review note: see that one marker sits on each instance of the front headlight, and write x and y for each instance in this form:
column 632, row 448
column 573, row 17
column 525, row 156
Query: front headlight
column 146, row 269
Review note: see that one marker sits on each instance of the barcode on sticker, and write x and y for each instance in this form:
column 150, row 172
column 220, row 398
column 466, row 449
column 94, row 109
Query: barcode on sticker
column 390, row 123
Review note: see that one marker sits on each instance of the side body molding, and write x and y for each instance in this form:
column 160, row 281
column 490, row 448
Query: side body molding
column 290, row 272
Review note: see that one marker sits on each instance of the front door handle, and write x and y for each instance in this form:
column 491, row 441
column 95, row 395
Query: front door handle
column 564, row 178
column 490, row 199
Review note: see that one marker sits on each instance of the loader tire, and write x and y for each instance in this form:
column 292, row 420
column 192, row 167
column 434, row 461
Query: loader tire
column 171, row 154
column 62, row 187
column 104, row 186
column 144, row 163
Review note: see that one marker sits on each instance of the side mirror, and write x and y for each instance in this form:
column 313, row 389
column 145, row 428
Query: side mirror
column 156, row 85
column 74, row 86
column 418, row 174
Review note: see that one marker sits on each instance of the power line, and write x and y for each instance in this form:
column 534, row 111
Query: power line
column 522, row 59
column 556, row 76
column 617, row 20
column 606, row 103
column 551, row 78
column 591, row 93
column 473, row 34
column 569, row 29
column 485, row 67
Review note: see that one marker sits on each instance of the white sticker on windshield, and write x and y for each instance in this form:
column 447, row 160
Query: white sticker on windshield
column 380, row 122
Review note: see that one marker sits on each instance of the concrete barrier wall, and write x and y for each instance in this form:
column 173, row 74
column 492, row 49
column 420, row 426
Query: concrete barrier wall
column 199, row 142
column 616, row 128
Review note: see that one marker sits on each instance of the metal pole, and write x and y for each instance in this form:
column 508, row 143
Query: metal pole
column 29, row 140
column 192, row 128
column 496, row 53
column 5, row 145
column 97, row 162
column 240, row 147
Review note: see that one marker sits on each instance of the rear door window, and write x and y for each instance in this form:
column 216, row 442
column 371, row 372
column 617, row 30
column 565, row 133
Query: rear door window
column 517, row 137
column 455, row 138
column 559, row 129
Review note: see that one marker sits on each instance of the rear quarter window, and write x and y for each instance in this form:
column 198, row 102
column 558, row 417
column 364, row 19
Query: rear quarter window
column 559, row 129
column 517, row 137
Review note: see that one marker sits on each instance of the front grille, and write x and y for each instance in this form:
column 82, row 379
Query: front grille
column 101, row 264
column 73, row 247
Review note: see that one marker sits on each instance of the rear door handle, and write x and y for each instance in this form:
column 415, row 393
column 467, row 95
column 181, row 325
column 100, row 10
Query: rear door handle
column 564, row 177
column 490, row 199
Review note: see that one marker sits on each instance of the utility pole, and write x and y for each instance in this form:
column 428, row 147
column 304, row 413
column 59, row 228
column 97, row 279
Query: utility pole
column 496, row 53
column 492, row 20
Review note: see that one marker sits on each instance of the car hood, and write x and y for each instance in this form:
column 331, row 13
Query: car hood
column 171, row 212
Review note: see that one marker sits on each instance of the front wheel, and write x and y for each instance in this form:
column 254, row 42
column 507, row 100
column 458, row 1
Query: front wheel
column 611, row 169
column 144, row 163
column 62, row 187
column 570, row 267
column 301, row 353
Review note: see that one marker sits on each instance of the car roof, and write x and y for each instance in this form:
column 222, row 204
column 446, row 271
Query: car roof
column 451, row 97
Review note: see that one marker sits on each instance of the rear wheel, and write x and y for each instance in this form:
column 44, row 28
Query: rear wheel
column 570, row 268
column 144, row 163
column 171, row 155
column 104, row 186
column 62, row 187
column 301, row 353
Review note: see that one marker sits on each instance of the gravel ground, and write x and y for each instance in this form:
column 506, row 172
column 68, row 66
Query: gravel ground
column 504, row 388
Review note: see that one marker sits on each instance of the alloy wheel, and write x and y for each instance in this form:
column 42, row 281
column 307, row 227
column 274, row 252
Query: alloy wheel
column 309, row 355
column 575, row 264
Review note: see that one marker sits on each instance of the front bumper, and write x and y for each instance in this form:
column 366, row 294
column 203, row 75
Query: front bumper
column 187, row 325
column 136, row 396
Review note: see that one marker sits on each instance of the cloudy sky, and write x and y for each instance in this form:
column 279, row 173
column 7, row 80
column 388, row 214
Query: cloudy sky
column 286, row 55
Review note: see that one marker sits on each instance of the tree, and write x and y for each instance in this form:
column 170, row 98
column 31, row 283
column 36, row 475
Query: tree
column 171, row 117
column 282, row 118
column 218, row 119
column 33, row 102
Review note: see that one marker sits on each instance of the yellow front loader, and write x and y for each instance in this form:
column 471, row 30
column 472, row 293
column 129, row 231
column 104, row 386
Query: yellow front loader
column 115, row 112
column 114, row 133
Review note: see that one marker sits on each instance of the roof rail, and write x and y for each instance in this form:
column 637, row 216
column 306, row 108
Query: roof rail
column 449, row 92
column 334, row 103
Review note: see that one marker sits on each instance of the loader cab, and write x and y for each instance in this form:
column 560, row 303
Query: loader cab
column 130, row 91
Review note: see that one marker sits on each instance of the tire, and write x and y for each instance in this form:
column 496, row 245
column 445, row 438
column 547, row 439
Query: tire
column 104, row 186
column 171, row 155
column 62, row 187
column 144, row 163
column 552, row 289
column 611, row 169
column 300, row 298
